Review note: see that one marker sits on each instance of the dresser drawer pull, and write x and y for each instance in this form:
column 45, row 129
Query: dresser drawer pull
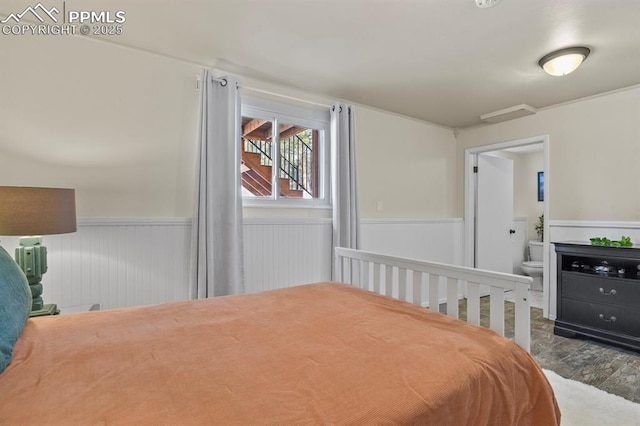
column 612, row 319
column 611, row 293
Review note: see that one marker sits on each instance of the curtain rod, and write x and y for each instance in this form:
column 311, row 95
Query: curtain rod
column 266, row 92
column 223, row 82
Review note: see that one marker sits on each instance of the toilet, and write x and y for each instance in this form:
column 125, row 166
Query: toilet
column 533, row 267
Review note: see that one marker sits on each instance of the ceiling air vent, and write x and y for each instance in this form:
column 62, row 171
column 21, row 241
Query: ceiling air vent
column 508, row 113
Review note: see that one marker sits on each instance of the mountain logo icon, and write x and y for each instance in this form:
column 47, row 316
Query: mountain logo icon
column 38, row 11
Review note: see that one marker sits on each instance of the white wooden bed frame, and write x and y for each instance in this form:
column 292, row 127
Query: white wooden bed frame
column 373, row 271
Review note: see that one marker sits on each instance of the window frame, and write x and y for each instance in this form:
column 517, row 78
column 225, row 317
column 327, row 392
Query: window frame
column 312, row 118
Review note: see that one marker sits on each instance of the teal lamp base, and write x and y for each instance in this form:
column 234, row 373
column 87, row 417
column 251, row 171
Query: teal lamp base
column 31, row 256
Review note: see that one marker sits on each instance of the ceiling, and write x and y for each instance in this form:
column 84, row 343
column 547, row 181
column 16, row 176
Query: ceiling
column 443, row 61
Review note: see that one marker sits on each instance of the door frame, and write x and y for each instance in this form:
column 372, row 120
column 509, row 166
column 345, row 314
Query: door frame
column 470, row 203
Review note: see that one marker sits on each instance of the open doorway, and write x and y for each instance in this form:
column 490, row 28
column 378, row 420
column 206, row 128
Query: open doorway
column 476, row 228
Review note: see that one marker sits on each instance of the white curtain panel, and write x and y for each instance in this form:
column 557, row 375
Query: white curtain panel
column 346, row 220
column 217, row 254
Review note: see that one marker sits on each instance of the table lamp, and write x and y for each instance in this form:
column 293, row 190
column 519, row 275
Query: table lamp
column 30, row 213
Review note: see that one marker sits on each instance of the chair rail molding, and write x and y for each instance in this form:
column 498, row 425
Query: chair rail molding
column 593, row 224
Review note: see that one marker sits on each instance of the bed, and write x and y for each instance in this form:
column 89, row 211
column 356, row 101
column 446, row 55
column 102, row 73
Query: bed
column 325, row 353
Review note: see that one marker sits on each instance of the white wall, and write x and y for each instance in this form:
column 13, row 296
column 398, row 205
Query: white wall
column 594, row 155
column 116, row 124
column 407, row 165
column 120, row 126
column 525, row 190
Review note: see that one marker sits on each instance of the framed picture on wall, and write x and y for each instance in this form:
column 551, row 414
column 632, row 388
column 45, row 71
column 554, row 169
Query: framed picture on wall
column 540, row 186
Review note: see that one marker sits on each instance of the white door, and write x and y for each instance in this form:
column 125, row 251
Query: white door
column 494, row 214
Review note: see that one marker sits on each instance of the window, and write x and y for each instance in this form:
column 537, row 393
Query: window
column 287, row 167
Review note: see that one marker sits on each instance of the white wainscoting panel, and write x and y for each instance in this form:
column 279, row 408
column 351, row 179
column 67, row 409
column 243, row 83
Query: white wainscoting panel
column 130, row 262
column 286, row 252
column 120, row 262
column 435, row 240
column 116, row 263
column 566, row 230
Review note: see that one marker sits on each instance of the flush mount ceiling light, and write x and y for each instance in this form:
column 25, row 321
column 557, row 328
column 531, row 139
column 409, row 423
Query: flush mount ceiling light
column 564, row 61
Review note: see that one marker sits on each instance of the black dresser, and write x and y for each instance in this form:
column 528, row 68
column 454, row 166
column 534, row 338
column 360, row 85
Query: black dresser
column 599, row 293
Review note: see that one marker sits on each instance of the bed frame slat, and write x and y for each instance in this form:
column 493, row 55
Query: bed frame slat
column 523, row 323
column 452, row 297
column 434, row 292
column 473, row 303
column 496, row 315
column 365, row 275
column 417, row 288
column 402, row 284
column 376, row 277
column 388, row 280
column 498, row 282
column 356, row 271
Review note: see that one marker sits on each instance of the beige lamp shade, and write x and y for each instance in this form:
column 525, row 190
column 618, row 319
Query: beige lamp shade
column 37, row 211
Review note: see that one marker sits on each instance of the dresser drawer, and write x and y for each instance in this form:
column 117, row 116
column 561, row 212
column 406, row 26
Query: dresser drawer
column 605, row 317
column 609, row 291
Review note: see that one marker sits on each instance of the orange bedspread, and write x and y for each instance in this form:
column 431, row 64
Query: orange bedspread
column 315, row 354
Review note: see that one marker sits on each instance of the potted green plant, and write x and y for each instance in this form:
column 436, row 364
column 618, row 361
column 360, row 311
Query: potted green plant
column 540, row 227
column 604, row 241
